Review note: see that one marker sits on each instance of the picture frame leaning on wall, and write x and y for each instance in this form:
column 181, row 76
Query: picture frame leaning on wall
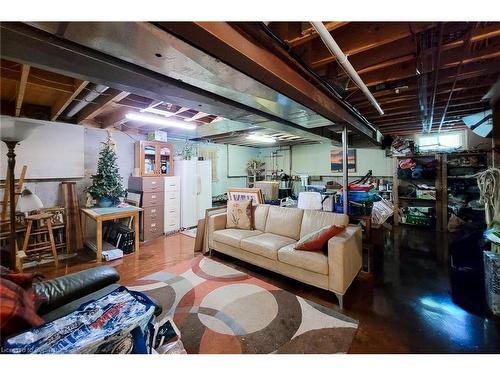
column 240, row 194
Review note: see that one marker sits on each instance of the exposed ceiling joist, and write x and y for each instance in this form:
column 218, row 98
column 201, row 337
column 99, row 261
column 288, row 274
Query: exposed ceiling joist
column 477, row 69
column 309, row 33
column 359, row 37
column 103, row 102
column 25, row 71
column 64, row 102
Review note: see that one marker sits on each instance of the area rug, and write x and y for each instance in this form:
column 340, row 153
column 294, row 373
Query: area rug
column 218, row 309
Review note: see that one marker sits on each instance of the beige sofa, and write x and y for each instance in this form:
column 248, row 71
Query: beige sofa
column 271, row 245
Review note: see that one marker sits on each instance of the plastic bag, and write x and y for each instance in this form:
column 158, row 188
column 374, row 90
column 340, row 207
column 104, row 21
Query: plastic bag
column 174, row 347
column 381, row 211
column 115, row 323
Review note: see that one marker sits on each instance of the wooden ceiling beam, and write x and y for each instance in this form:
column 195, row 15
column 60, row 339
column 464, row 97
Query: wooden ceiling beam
column 115, row 118
column 359, row 37
column 415, row 109
column 403, row 50
column 310, row 33
column 63, row 102
column 478, row 69
column 416, row 124
column 21, row 89
column 109, row 98
column 482, row 33
column 414, row 102
column 13, row 76
column 417, row 118
column 389, row 54
column 412, row 91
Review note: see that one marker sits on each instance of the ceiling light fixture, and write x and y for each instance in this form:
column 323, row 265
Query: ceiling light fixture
column 157, row 120
column 261, row 138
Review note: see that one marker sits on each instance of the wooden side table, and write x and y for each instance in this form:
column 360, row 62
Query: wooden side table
column 112, row 213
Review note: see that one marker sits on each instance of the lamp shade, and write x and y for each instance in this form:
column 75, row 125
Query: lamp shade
column 16, row 129
column 28, row 202
column 310, row 200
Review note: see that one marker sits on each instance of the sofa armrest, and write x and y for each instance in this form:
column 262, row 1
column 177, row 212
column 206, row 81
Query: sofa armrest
column 345, row 258
column 215, row 222
column 64, row 289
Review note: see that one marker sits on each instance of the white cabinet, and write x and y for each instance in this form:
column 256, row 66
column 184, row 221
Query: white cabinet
column 196, row 189
column 172, row 202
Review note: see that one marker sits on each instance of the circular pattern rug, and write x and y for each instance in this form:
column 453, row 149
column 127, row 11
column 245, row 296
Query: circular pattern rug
column 221, row 310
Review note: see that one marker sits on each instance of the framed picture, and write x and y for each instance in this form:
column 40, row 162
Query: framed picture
column 336, row 161
column 243, row 194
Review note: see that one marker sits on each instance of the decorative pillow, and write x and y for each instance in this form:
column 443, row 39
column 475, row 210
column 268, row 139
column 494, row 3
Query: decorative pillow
column 18, row 302
column 317, row 240
column 239, row 215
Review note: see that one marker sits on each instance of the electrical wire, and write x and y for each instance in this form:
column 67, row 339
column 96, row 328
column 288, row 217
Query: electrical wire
column 489, row 189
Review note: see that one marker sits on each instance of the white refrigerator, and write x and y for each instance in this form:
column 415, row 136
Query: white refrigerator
column 196, row 189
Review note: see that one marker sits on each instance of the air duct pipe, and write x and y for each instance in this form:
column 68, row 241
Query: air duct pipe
column 98, row 90
column 335, row 50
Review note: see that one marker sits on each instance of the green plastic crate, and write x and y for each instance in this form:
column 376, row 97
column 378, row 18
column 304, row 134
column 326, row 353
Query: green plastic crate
column 419, row 220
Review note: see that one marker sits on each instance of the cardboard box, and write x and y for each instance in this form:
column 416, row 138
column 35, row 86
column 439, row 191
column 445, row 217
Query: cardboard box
column 157, row 135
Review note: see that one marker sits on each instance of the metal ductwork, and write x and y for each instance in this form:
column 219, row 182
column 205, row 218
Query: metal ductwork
column 87, row 99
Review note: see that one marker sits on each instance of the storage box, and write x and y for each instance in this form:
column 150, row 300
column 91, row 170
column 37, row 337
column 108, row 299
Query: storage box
column 158, row 135
column 426, row 194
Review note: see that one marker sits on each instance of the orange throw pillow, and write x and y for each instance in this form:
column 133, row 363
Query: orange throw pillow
column 317, row 240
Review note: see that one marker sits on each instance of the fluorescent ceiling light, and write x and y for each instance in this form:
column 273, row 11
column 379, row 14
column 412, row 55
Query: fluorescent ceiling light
column 261, row 138
column 157, row 120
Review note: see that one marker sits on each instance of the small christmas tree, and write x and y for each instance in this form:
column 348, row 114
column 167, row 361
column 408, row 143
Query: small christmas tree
column 107, row 182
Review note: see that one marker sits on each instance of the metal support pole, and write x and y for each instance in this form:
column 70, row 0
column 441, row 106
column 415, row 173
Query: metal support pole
column 345, row 180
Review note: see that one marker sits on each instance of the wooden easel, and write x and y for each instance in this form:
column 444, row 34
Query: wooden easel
column 6, row 187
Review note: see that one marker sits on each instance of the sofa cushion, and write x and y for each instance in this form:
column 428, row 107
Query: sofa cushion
column 284, row 221
column 233, row 237
column 239, row 214
column 260, row 216
column 266, row 244
column 314, row 220
column 314, row 261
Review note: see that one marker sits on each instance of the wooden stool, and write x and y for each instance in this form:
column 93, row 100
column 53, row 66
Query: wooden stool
column 39, row 227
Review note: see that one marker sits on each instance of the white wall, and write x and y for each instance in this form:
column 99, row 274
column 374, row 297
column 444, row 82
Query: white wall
column 52, row 150
column 238, row 157
column 314, row 160
column 49, row 190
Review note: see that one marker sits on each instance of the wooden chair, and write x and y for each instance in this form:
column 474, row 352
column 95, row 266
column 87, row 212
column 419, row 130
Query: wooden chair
column 39, row 238
column 58, row 226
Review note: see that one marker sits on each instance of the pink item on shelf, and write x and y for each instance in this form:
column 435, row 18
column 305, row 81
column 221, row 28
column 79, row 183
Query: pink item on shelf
column 407, row 164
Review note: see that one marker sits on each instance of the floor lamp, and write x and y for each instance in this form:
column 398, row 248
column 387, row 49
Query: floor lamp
column 13, row 131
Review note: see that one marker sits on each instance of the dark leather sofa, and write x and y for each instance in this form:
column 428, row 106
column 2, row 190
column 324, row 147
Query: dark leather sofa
column 66, row 293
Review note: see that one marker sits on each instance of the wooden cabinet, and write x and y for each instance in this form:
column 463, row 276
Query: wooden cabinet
column 154, row 158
